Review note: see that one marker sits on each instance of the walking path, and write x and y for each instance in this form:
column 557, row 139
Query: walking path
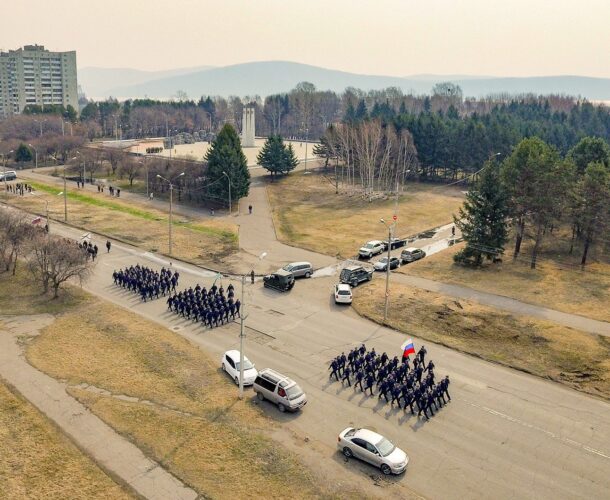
column 110, row 450
column 506, row 304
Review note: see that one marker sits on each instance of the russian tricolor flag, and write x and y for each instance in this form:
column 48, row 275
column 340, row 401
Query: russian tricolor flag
column 407, row 348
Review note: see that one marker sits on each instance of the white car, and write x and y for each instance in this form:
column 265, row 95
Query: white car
column 382, row 264
column 230, row 365
column 374, row 247
column 343, row 294
column 374, row 449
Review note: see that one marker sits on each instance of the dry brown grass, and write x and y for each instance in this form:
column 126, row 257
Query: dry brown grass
column 202, row 241
column 542, row 348
column 307, row 213
column 37, row 461
column 185, row 413
column 557, row 282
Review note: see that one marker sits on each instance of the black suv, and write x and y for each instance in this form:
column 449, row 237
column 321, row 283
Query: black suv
column 354, row 275
column 280, row 280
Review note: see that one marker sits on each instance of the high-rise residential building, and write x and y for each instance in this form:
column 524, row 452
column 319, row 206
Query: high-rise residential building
column 33, row 75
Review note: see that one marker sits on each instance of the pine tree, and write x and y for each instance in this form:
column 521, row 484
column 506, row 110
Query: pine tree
column 276, row 157
column 23, row 153
column 483, row 218
column 225, row 155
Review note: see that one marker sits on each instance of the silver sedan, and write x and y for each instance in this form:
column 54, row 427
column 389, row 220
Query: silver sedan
column 372, row 448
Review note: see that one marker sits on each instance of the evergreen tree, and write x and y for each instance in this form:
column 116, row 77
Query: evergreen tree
column 483, row 218
column 276, row 157
column 593, row 214
column 225, row 155
column 590, row 150
column 361, row 111
column 23, row 153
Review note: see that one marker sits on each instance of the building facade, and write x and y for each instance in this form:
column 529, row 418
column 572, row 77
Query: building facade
column 33, row 75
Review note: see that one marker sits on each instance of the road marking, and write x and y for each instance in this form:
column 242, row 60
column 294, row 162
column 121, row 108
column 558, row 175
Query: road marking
column 536, row 428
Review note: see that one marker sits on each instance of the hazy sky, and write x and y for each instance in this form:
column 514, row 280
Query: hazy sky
column 391, row 37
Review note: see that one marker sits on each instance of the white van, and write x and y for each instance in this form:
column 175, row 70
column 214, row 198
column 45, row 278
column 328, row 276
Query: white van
column 9, row 175
column 280, row 390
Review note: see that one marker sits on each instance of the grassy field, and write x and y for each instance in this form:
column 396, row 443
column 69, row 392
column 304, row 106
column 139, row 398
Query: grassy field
column 37, row 461
column 568, row 356
column 307, row 213
column 170, row 399
column 202, row 242
column 557, row 282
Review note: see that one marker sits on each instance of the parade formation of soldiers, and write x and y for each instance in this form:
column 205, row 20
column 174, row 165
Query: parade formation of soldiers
column 146, row 282
column 395, row 380
column 210, row 307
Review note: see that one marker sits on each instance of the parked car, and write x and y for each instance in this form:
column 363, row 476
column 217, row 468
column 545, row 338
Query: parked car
column 354, row 275
column 343, row 293
column 9, row 175
column 280, row 390
column 395, row 243
column 371, row 249
column 411, row 255
column 230, row 365
column 280, row 280
column 299, row 269
column 382, row 264
column 374, row 449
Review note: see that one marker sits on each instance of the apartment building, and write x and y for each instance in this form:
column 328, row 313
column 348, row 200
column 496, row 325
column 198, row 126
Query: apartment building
column 33, row 75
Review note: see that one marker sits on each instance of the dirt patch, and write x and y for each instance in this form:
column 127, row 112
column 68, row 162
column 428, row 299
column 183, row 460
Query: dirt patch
column 557, row 282
column 307, row 213
column 37, row 461
column 542, row 348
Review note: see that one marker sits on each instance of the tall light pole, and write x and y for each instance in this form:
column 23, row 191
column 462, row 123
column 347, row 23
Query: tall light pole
column 171, row 190
column 387, row 270
column 143, row 162
column 4, row 174
column 229, row 179
column 84, row 168
column 306, row 138
column 36, row 153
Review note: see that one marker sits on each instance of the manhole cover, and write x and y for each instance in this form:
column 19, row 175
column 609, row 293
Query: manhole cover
column 176, row 328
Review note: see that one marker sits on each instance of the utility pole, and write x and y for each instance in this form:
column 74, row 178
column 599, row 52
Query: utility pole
column 65, row 197
column 241, row 339
column 36, row 152
column 387, row 270
column 229, row 179
column 306, row 138
column 4, row 174
column 171, row 195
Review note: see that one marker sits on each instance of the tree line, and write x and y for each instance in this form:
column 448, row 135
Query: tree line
column 533, row 191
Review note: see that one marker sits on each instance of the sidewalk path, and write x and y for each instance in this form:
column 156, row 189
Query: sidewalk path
column 507, row 304
column 113, row 452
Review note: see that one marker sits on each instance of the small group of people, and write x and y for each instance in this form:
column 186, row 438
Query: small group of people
column 210, row 307
column 19, row 188
column 147, row 282
column 395, row 380
column 114, row 191
column 100, row 188
column 90, row 248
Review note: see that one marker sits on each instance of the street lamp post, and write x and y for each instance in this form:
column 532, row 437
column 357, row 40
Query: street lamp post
column 306, row 138
column 171, row 190
column 241, row 339
column 229, row 179
column 4, row 172
column 36, row 153
column 387, row 270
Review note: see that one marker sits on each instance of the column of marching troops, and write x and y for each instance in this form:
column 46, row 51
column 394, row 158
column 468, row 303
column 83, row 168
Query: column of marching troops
column 396, row 381
column 211, row 308
column 146, row 282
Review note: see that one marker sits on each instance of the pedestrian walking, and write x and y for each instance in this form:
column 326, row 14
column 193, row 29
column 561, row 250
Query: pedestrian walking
column 250, row 209
column 335, row 369
column 108, row 245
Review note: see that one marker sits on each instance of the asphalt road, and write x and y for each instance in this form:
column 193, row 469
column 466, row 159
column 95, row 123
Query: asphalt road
column 505, row 434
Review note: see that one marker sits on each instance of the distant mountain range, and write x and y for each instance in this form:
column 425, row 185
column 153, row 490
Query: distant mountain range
column 270, row 77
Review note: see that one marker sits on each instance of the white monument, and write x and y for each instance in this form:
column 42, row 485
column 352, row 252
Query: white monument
column 247, row 127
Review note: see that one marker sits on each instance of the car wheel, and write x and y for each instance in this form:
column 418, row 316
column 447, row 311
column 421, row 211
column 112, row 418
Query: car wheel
column 281, row 407
column 354, row 284
column 260, row 396
column 236, row 380
column 347, row 452
column 308, row 274
column 385, row 468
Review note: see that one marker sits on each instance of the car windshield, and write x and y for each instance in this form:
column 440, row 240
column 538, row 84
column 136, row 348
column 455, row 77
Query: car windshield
column 385, row 447
column 345, row 274
column 287, row 267
column 344, row 292
column 385, row 259
column 247, row 365
column 369, row 245
column 294, row 392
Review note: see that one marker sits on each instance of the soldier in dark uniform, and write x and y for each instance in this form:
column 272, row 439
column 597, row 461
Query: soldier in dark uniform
column 409, row 399
column 396, row 392
column 335, row 369
column 346, row 373
column 430, row 365
column 445, row 386
column 369, row 382
column 237, row 306
column 359, row 377
column 421, row 354
column 383, row 390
